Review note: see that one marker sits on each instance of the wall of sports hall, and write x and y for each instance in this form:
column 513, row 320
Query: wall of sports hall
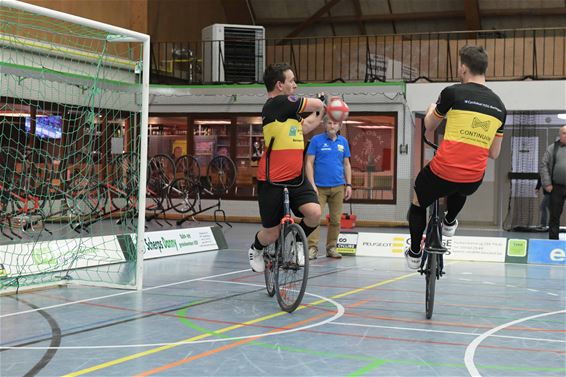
column 486, row 207
column 162, row 20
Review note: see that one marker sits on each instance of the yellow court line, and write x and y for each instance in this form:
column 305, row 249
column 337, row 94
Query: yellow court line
column 226, row 329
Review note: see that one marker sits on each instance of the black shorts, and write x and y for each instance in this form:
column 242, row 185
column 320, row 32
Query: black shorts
column 429, row 187
column 270, row 200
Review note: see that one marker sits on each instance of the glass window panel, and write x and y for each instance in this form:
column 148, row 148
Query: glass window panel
column 372, row 141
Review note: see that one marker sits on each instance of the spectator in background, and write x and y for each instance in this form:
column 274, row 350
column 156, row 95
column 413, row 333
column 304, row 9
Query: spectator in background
column 544, row 206
column 553, row 177
column 330, row 173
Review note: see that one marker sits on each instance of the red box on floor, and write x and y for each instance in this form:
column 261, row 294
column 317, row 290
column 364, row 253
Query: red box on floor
column 348, row 221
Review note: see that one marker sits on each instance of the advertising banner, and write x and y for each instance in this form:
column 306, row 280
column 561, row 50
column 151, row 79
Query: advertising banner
column 487, row 249
column 547, row 251
column 178, row 241
column 516, row 251
column 347, row 242
column 49, row 256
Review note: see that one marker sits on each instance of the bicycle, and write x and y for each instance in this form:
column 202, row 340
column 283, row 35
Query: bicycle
column 188, row 191
column 283, row 271
column 432, row 267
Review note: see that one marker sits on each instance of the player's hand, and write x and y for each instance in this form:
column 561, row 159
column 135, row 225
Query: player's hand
column 548, row 188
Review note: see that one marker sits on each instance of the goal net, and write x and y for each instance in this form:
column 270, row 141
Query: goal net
column 73, row 131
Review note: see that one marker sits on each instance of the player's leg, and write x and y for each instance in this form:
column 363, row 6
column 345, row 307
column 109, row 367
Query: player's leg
column 428, row 187
column 454, row 203
column 270, row 201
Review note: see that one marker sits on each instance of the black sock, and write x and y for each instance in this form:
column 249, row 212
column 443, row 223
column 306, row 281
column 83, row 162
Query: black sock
column 257, row 245
column 308, row 230
column 417, row 225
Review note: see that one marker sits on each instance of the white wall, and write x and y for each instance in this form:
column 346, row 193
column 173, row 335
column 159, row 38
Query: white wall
column 516, row 95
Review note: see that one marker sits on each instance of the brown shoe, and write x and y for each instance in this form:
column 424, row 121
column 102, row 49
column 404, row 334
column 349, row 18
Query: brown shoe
column 331, row 253
column 312, row 252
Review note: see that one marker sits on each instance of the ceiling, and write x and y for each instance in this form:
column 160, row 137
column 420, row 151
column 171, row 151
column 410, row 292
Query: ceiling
column 290, row 18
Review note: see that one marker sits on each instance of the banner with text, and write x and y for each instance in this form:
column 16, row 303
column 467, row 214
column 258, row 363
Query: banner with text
column 488, row 249
column 178, row 241
column 59, row 255
column 347, row 242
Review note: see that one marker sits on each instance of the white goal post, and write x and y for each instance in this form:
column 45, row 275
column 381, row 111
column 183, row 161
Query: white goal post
column 74, row 99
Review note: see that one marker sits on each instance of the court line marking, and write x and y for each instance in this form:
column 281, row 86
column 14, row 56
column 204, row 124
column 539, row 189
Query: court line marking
column 446, row 332
column 471, row 349
column 155, row 350
column 120, row 294
column 198, row 339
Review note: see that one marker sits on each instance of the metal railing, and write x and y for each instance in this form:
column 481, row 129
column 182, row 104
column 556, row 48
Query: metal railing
column 514, row 54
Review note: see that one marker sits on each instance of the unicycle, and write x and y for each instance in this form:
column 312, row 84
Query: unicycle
column 286, row 261
column 432, row 263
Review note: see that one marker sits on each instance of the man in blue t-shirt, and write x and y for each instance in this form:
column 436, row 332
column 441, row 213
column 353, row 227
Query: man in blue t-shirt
column 329, row 171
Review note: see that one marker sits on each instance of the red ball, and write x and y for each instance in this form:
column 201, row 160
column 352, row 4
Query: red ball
column 337, row 110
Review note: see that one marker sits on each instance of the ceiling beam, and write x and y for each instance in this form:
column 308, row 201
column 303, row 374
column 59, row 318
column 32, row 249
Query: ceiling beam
column 361, row 24
column 416, row 16
column 472, row 10
column 237, row 12
column 312, row 19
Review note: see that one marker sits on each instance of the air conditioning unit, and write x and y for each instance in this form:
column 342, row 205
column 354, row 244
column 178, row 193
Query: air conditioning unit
column 233, row 53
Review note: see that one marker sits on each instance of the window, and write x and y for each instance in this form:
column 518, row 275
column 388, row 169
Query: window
column 373, row 140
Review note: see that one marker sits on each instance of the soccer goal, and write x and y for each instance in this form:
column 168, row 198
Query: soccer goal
column 73, row 147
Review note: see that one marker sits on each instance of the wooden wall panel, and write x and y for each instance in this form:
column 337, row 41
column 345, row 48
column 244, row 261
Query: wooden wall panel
column 128, row 14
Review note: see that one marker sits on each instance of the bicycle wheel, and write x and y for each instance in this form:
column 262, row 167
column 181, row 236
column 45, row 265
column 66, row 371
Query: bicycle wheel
column 291, row 268
column 123, row 190
column 161, row 168
column 221, row 173
column 182, row 195
column 187, row 167
column 430, row 276
column 86, row 201
column 269, row 272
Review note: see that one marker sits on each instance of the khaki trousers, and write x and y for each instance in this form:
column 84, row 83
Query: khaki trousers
column 334, row 196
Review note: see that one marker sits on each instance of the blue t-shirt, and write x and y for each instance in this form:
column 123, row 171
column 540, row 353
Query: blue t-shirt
column 328, row 159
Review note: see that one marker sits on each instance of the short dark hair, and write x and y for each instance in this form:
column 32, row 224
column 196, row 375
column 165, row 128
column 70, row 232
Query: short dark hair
column 475, row 58
column 274, row 73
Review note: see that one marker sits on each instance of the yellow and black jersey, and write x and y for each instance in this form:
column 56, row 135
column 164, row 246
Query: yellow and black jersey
column 474, row 118
column 281, row 120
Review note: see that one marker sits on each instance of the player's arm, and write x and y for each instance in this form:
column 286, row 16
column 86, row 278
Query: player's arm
column 312, row 104
column 312, row 121
column 432, row 120
column 495, row 148
column 437, row 111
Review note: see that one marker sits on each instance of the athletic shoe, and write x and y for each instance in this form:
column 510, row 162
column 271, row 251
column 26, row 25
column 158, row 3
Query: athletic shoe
column 449, row 230
column 313, row 252
column 256, row 259
column 331, row 253
column 300, row 253
column 413, row 262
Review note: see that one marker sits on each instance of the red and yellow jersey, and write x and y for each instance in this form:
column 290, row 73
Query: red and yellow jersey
column 474, row 118
column 281, row 120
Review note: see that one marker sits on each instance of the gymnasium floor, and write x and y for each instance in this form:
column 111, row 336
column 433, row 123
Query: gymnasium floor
column 207, row 314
